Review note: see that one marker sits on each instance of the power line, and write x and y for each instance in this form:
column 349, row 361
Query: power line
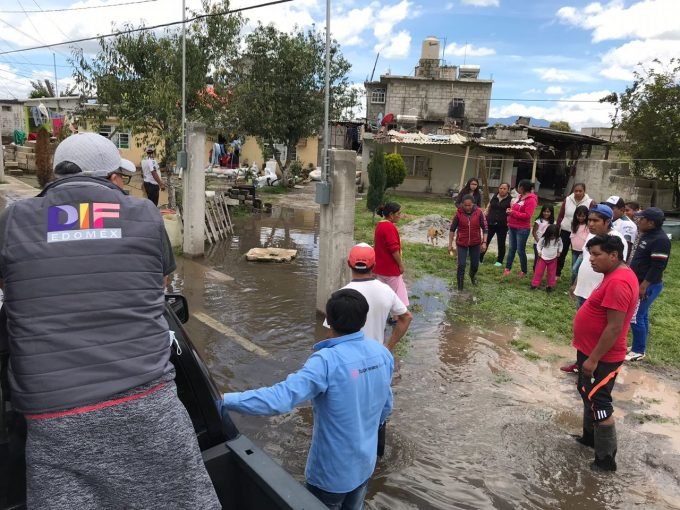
column 57, row 25
column 142, row 29
column 30, row 37
column 80, row 8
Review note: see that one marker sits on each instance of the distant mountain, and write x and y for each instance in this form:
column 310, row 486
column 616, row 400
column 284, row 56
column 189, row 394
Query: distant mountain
column 508, row 121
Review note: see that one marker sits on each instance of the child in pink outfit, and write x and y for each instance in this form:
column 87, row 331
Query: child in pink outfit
column 549, row 249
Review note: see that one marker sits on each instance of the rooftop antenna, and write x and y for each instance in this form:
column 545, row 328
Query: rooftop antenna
column 374, row 64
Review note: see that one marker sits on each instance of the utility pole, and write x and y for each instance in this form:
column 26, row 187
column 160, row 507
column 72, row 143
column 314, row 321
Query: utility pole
column 2, row 157
column 327, row 101
column 56, row 86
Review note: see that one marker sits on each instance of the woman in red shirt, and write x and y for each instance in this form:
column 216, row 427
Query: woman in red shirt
column 387, row 244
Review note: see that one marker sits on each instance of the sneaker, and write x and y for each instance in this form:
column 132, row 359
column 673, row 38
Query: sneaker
column 521, row 274
column 506, row 272
column 573, row 368
column 635, row 356
column 549, row 289
column 498, row 264
column 628, row 350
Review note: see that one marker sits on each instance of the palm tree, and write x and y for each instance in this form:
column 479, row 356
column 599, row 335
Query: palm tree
column 46, row 89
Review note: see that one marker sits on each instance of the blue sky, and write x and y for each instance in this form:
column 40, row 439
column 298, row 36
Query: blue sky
column 533, row 49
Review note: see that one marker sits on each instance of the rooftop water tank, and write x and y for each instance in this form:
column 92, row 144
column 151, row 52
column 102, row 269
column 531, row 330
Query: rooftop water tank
column 430, row 48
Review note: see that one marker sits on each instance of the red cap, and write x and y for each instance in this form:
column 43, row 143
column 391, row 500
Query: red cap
column 361, row 256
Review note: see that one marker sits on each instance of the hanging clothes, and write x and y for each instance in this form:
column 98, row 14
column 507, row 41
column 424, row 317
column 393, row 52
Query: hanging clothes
column 19, row 137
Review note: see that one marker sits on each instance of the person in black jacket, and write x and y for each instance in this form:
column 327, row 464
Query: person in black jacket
column 648, row 262
column 471, row 188
column 497, row 220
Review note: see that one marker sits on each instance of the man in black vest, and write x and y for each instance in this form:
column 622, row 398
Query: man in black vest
column 83, row 268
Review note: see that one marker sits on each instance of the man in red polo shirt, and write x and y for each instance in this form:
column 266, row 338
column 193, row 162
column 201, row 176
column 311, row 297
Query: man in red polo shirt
column 600, row 331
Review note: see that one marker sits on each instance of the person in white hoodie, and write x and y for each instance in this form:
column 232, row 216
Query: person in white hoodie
column 578, row 197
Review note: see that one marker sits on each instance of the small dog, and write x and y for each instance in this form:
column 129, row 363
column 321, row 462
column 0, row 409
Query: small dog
column 433, row 234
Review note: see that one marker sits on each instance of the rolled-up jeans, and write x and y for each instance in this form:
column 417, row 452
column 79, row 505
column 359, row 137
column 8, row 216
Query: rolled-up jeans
column 518, row 244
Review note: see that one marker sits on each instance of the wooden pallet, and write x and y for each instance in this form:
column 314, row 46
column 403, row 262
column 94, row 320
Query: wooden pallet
column 218, row 224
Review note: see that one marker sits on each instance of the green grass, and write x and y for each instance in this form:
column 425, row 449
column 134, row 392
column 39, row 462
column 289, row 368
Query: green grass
column 509, row 300
column 273, row 190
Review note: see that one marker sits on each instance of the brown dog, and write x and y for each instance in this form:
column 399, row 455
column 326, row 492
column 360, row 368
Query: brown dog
column 433, row 234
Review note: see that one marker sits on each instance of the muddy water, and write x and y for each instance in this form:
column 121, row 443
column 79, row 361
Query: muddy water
column 475, row 425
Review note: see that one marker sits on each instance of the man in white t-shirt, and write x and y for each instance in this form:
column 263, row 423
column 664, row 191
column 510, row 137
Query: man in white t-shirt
column 599, row 223
column 383, row 302
column 622, row 223
column 152, row 176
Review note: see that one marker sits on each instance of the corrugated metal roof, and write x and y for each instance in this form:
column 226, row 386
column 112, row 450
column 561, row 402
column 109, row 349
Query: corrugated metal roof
column 421, row 138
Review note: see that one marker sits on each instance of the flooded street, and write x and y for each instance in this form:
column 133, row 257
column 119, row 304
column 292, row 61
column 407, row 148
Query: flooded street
column 475, row 424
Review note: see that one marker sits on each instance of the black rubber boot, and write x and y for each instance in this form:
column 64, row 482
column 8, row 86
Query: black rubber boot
column 605, row 448
column 588, row 437
column 460, row 282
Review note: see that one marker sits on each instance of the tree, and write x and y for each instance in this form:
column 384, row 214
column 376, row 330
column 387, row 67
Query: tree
column 395, row 170
column 376, row 180
column 42, row 158
column 650, row 116
column 137, row 78
column 279, row 87
column 46, row 88
column 560, row 125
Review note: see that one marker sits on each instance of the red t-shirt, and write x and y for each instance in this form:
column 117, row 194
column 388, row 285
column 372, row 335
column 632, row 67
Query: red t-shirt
column 385, row 242
column 618, row 291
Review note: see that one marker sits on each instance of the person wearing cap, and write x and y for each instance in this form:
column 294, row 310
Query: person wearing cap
column 587, row 279
column 121, row 176
column 649, row 262
column 83, row 268
column 622, row 223
column 383, row 302
column 151, row 175
column 347, row 379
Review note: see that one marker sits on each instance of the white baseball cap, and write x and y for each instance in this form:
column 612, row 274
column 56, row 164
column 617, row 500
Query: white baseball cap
column 91, row 152
column 613, row 200
column 127, row 167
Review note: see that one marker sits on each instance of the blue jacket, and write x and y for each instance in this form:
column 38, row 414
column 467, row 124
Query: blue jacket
column 348, row 381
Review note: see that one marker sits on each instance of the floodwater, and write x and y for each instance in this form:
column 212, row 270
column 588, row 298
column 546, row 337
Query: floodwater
column 475, row 424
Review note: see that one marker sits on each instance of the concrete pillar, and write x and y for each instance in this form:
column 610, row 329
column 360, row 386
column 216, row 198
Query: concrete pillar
column 193, row 193
column 2, row 158
column 336, row 227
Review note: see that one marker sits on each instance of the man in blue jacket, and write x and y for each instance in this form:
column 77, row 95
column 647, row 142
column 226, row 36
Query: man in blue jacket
column 649, row 262
column 348, row 381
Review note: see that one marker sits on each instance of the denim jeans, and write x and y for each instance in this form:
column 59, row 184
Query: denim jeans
column 462, row 252
column 353, row 500
column 641, row 325
column 501, row 232
column 518, row 244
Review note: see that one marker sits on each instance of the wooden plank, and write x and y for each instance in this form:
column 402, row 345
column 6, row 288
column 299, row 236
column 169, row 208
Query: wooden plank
column 211, row 223
column 219, row 200
column 227, row 331
column 216, row 219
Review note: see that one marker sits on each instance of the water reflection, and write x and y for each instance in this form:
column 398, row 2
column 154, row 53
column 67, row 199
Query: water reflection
column 474, row 426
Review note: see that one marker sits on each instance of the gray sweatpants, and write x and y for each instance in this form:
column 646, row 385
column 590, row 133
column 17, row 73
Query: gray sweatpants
column 138, row 454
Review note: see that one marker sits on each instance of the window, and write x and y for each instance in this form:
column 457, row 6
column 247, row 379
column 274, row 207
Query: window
column 106, row 131
column 494, row 165
column 6, row 108
column 123, row 140
column 417, row 166
column 378, row 96
column 457, row 108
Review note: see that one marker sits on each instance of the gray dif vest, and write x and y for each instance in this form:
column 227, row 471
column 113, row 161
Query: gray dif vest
column 83, row 274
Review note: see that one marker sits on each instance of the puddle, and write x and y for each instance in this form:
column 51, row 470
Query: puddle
column 476, row 424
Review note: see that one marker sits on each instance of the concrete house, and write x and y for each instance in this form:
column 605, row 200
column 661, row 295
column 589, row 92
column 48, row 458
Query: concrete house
column 436, row 95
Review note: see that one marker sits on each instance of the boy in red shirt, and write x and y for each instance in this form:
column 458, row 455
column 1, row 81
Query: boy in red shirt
column 600, row 331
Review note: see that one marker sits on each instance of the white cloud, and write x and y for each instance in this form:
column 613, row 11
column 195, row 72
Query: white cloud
column 482, row 3
column 449, row 6
column 618, row 64
column 349, row 27
column 553, row 74
column 577, row 114
column 554, row 90
column 391, row 45
column 644, row 19
column 397, row 47
column 461, row 50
